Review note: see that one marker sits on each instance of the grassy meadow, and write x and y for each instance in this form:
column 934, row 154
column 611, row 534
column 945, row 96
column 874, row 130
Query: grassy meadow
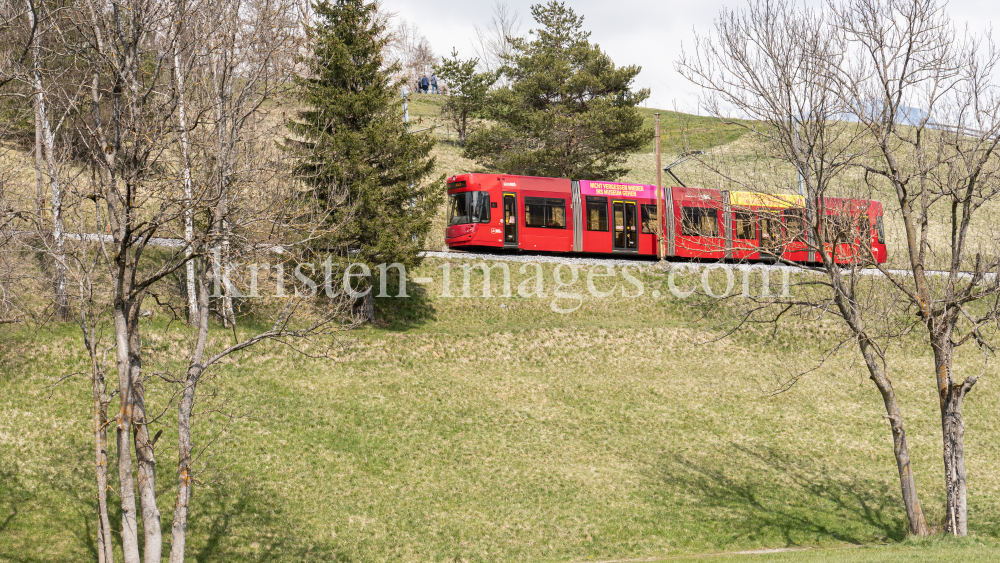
column 557, row 428
column 496, row 429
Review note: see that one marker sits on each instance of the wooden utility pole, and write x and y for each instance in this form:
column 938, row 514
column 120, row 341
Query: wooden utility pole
column 660, row 252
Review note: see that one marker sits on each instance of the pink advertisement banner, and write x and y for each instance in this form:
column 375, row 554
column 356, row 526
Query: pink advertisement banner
column 614, row 189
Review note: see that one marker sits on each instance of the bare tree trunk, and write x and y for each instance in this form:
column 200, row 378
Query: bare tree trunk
column 43, row 133
column 900, row 449
column 58, row 242
column 105, row 549
column 130, row 527
column 368, row 302
column 55, row 188
column 844, row 297
column 39, row 163
column 144, row 454
column 184, row 442
column 38, row 100
column 222, row 77
column 185, row 174
column 179, row 527
column 953, row 434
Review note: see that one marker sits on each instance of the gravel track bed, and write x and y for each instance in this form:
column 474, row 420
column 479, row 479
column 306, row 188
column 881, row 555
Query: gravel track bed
column 645, row 262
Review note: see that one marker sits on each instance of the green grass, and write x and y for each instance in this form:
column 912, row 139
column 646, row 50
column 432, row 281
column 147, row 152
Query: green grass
column 922, row 552
column 463, row 430
column 460, row 429
column 681, row 132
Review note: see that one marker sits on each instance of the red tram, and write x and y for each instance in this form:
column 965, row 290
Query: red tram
column 561, row 215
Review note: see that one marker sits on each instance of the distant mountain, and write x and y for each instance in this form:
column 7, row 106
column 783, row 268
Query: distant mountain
column 906, row 115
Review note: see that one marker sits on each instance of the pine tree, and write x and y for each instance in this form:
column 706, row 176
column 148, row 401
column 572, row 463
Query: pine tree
column 468, row 92
column 568, row 111
column 355, row 146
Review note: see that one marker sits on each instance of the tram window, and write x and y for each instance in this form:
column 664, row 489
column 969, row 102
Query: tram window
column 597, row 213
column 794, row 225
column 865, row 229
column 469, row 207
column 699, row 222
column 744, row 226
column 479, row 206
column 838, row 229
column 546, row 213
column 771, row 232
column 458, row 209
column 881, row 232
column 648, row 219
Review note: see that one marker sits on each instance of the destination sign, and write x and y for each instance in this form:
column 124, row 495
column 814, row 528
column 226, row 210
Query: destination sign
column 614, row 189
column 757, row 199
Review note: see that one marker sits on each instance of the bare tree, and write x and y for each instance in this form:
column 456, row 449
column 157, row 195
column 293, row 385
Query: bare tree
column 18, row 26
column 926, row 96
column 494, row 43
column 183, row 53
column 93, row 328
column 833, row 94
column 48, row 164
column 248, row 63
column 16, row 40
column 412, row 51
column 163, row 127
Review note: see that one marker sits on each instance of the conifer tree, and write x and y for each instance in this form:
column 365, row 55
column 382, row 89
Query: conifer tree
column 468, row 92
column 568, row 110
column 357, row 154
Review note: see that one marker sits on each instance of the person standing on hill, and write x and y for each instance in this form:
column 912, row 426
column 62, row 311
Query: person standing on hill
column 434, row 84
column 424, row 83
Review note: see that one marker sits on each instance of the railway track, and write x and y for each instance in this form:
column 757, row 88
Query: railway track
column 675, row 264
column 525, row 257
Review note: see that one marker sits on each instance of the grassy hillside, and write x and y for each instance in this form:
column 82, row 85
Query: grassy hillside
column 495, row 429
column 679, row 132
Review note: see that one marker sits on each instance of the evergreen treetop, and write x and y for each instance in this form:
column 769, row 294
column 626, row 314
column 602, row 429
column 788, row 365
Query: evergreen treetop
column 468, row 92
column 568, row 112
column 356, row 152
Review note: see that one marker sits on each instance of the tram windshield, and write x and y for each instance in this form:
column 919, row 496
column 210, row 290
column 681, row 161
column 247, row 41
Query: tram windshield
column 468, row 207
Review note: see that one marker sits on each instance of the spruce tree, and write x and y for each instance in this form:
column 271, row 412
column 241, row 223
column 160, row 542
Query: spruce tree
column 568, row 111
column 356, row 153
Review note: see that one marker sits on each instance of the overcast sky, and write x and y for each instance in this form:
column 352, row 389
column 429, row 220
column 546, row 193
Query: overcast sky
column 647, row 33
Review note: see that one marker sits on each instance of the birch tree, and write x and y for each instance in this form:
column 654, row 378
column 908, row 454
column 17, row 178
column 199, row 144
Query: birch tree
column 182, row 45
column 927, row 97
column 159, row 134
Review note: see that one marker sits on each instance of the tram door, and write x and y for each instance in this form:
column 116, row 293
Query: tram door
column 510, row 220
column 625, row 225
